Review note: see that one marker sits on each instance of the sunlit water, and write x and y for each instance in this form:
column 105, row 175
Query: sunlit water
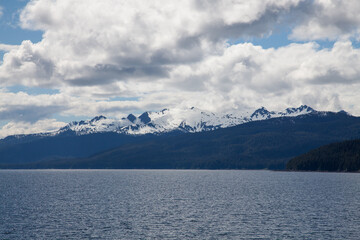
column 132, row 204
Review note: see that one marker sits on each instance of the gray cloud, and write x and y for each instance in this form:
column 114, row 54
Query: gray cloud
column 219, row 30
column 106, row 74
column 31, row 114
column 332, row 76
column 333, row 19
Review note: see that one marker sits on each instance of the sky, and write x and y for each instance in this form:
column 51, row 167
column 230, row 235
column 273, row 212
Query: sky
column 63, row 60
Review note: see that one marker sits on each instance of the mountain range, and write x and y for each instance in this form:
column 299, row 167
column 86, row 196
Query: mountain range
column 188, row 120
column 187, row 138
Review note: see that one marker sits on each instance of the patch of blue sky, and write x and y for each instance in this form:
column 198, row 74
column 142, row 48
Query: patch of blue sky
column 1, row 56
column 32, row 90
column 124, row 99
column 280, row 38
column 15, row 36
column 10, row 31
column 356, row 44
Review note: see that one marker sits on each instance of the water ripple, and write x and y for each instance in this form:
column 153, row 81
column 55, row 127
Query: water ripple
column 135, row 204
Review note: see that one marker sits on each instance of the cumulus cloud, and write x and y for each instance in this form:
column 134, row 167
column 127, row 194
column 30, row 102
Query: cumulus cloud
column 44, row 125
column 26, row 108
column 101, row 42
column 248, row 73
column 22, row 107
column 329, row 19
column 26, row 65
column 170, row 54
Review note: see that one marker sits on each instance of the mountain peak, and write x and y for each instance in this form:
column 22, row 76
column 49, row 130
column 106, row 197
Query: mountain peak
column 305, row 107
column 344, row 112
column 301, row 109
column 97, row 118
column 145, row 118
column 261, row 112
column 131, row 117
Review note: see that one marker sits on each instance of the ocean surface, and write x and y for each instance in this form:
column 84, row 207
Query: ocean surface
column 176, row 204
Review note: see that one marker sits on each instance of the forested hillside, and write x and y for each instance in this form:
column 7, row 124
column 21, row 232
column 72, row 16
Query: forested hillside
column 335, row 157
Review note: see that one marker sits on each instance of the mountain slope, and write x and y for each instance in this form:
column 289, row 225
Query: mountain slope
column 335, row 157
column 32, row 148
column 254, row 145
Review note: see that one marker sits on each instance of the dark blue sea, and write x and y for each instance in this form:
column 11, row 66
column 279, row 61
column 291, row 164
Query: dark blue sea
column 174, row 204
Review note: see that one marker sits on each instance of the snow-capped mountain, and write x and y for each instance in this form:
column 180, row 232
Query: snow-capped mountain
column 185, row 120
column 294, row 128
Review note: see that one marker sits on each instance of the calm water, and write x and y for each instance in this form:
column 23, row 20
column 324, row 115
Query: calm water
column 126, row 204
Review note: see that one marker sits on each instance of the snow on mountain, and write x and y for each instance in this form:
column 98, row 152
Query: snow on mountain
column 185, row 120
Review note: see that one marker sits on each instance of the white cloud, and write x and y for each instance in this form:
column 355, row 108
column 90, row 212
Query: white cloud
column 253, row 76
column 45, row 125
column 7, row 47
column 101, row 42
column 168, row 54
column 28, row 65
column 1, row 11
column 244, row 76
column 27, row 108
column 22, row 107
column 329, row 19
